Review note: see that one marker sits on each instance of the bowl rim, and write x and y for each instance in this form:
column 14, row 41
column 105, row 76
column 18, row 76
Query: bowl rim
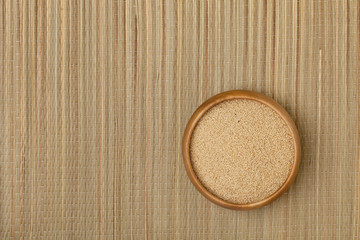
column 230, row 95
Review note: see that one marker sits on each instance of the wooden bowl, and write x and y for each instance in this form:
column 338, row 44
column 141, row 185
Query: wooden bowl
column 239, row 94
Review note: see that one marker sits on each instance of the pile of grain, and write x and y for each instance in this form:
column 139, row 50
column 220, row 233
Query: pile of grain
column 242, row 151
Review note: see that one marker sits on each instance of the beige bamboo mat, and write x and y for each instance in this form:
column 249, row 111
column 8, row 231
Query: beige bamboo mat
column 95, row 95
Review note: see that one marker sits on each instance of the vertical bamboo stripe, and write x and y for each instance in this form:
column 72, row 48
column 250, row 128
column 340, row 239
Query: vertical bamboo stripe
column 95, row 96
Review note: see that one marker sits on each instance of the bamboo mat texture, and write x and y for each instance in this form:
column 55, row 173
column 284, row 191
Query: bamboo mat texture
column 95, row 96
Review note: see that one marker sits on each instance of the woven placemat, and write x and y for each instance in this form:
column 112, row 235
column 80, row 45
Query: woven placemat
column 95, row 95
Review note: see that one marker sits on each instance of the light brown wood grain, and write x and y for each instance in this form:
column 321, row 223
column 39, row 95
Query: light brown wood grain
column 95, row 96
